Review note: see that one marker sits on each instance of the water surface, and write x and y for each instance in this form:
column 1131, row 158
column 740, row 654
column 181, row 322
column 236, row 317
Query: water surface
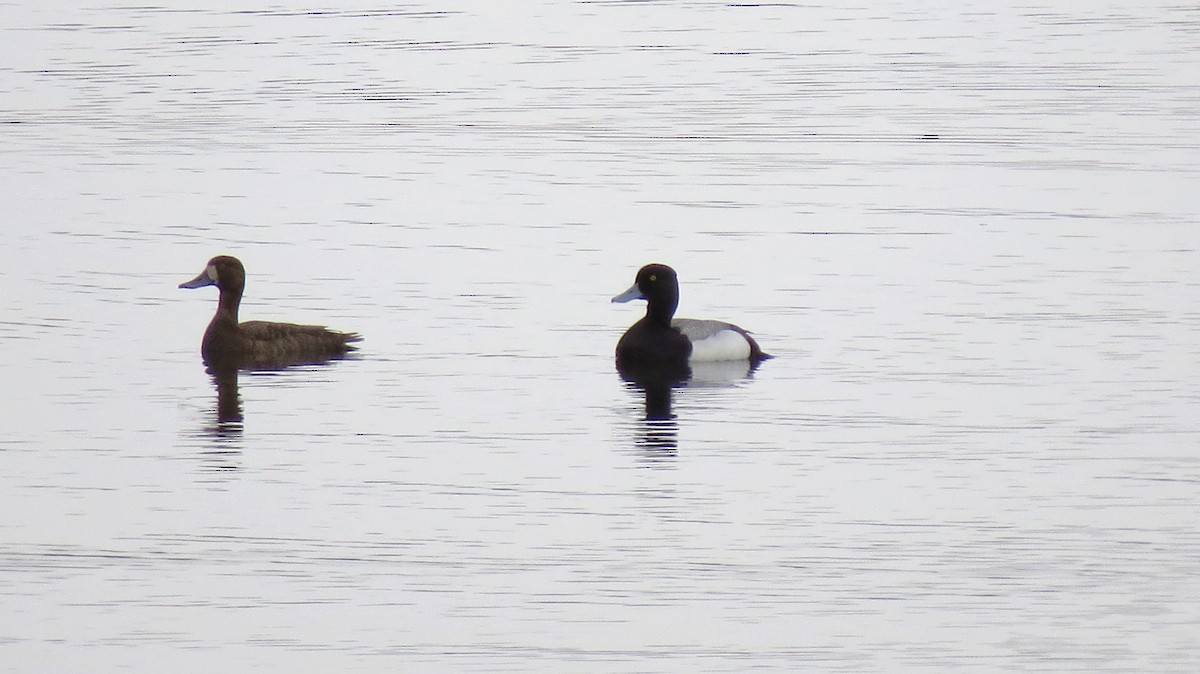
column 968, row 234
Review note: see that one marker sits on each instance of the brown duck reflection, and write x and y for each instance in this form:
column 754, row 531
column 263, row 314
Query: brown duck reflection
column 225, row 431
column 229, row 400
column 224, row 374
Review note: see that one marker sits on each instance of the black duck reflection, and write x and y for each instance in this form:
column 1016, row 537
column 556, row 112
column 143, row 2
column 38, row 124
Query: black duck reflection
column 658, row 432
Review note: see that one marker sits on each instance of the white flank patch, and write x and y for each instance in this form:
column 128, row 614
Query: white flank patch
column 723, row 345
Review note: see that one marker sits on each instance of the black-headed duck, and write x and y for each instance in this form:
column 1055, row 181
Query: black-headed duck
column 660, row 338
column 259, row 342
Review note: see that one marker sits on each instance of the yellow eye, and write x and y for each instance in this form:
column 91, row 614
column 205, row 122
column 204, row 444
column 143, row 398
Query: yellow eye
column 654, row 277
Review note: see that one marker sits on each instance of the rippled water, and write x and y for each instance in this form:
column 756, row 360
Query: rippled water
column 968, row 233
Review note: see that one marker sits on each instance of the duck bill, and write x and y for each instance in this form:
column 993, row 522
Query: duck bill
column 632, row 294
column 204, row 279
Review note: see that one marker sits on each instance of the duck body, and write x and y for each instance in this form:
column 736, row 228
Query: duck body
column 659, row 337
column 259, row 343
column 650, row 341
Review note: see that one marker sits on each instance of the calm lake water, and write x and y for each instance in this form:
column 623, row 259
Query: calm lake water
column 969, row 234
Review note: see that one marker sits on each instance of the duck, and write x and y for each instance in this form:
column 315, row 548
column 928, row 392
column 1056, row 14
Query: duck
column 255, row 343
column 659, row 338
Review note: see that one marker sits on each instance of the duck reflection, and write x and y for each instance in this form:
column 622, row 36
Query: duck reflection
column 658, row 434
column 223, row 434
column 225, row 373
column 229, row 400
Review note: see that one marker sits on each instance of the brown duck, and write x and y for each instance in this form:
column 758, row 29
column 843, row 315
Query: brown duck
column 259, row 343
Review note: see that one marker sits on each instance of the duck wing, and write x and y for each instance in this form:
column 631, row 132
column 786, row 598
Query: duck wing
column 718, row 340
column 284, row 340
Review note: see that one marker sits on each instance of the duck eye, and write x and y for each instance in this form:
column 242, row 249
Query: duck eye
column 654, row 277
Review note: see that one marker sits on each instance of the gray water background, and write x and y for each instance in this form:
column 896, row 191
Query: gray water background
column 967, row 231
